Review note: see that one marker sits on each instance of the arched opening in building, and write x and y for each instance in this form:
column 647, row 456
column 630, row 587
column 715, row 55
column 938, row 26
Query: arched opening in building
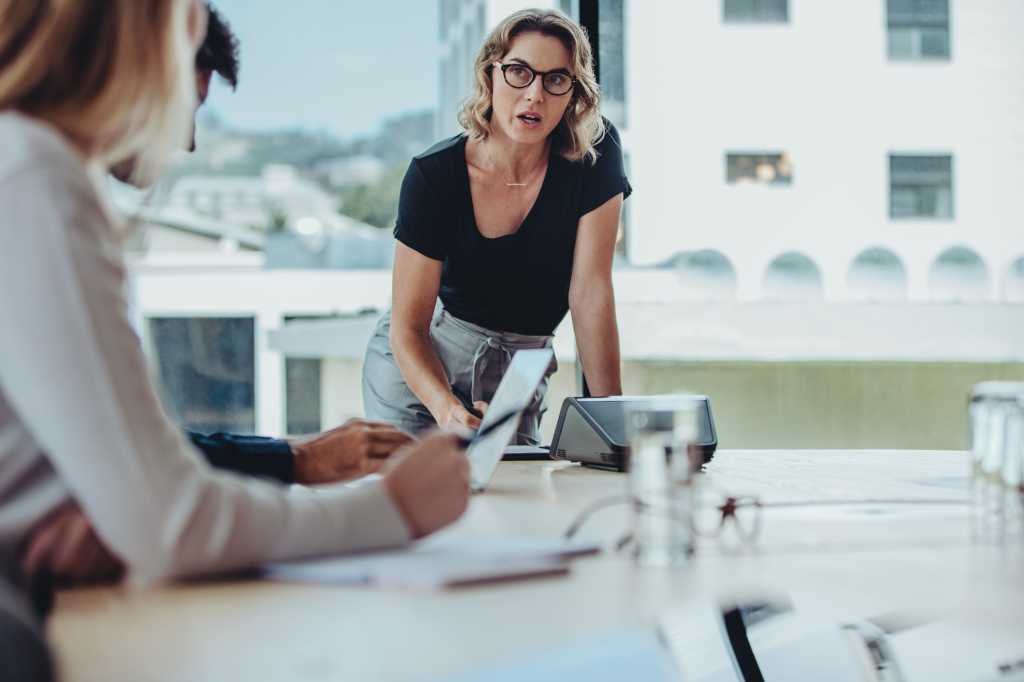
column 705, row 275
column 958, row 275
column 877, row 274
column 1013, row 282
column 792, row 276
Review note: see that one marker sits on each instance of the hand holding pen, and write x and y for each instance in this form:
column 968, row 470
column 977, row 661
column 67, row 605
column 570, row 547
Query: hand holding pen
column 466, row 441
column 460, row 413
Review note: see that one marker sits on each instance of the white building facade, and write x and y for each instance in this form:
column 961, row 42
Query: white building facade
column 824, row 88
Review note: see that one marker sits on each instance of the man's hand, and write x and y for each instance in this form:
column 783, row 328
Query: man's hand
column 429, row 483
column 64, row 546
column 354, row 449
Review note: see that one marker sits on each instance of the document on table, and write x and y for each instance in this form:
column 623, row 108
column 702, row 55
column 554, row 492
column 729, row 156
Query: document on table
column 438, row 562
column 630, row 654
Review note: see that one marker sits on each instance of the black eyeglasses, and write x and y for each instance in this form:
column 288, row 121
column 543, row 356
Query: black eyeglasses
column 712, row 511
column 519, row 76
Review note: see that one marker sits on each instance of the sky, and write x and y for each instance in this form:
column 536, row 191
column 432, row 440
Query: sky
column 335, row 65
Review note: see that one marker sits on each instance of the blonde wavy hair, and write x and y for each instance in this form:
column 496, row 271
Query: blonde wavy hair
column 115, row 77
column 582, row 126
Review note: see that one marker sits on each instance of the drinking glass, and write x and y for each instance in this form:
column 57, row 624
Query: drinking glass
column 662, row 459
column 996, row 415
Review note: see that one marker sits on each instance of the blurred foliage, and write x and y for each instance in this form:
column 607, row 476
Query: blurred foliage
column 377, row 203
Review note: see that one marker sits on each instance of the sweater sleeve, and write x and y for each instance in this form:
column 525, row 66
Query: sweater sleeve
column 74, row 371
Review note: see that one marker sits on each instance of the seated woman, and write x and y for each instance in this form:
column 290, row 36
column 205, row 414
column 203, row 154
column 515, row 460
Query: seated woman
column 511, row 225
column 82, row 84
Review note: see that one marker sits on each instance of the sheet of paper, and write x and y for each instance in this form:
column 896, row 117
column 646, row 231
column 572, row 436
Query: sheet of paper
column 363, row 480
column 975, row 650
column 635, row 654
column 442, row 561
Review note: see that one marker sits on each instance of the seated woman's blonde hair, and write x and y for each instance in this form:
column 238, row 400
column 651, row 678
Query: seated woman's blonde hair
column 115, row 77
column 582, row 126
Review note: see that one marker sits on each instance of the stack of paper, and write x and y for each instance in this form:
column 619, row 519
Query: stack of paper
column 438, row 562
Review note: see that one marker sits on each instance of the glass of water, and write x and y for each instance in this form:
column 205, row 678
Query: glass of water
column 662, row 435
column 996, row 416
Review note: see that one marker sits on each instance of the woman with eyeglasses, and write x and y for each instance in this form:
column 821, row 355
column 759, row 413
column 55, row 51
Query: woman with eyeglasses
column 501, row 230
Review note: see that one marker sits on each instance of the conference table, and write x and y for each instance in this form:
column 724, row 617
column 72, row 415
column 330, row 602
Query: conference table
column 841, row 562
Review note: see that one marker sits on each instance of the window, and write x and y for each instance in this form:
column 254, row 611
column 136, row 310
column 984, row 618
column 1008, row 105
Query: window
column 302, row 399
column 207, row 370
column 918, row 29
column 448, row 11
column 731, row 278
column 302, row 380
column 756, row 168
column 755, row 11
column 612, row 21
column 921, row 187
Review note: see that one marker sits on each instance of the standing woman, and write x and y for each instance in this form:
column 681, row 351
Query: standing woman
column 510, row 224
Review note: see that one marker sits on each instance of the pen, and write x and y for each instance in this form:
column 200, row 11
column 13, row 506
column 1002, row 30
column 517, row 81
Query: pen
column 487, row 430
column 469, row 406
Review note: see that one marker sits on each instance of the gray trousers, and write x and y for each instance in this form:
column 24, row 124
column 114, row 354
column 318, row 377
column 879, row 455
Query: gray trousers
column 474, row 359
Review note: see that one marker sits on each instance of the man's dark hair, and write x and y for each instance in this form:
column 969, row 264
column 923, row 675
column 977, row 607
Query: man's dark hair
column 219, row 51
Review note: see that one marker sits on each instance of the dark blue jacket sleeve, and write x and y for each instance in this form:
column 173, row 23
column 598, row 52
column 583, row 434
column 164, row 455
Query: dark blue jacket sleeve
column 251, row 455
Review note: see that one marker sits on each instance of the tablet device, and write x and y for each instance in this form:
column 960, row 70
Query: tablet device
column 515, row 392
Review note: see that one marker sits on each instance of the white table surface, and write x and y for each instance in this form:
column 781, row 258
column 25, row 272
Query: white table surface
column 844, row 562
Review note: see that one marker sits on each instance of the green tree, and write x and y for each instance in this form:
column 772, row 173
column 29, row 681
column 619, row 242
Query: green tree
column 278, row 220
column 377, row 203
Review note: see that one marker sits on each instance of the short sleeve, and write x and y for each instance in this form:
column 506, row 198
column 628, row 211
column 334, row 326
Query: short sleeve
column 419, row 226
column 607, row 176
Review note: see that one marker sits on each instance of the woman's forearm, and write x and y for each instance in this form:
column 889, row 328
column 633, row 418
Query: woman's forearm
column 422, row 369
column 597, row 340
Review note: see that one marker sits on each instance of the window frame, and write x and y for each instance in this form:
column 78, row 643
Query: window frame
column 906, row 178
column 761, row 14
column 775, row 156
column 916, row 24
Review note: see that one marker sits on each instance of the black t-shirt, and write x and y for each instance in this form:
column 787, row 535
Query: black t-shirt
column 515, row 283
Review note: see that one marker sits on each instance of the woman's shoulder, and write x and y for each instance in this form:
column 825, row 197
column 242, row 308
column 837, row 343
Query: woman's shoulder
column 610, row 139
column 49, row 178
column 444, row 150
column 440, row 166
column 31, row 146
column 608, row 144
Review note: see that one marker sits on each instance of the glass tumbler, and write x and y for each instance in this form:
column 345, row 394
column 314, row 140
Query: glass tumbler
column 662, row 461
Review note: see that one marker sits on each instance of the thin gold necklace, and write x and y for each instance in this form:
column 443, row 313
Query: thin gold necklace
column 528, row 175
